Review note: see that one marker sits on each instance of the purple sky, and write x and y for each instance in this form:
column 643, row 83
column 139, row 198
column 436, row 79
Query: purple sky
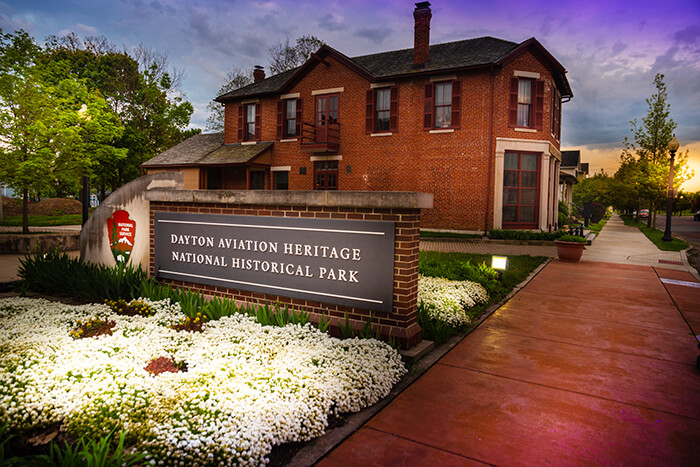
column 611, row 49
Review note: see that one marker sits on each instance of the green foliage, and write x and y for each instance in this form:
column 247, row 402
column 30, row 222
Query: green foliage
column 433, row 329
column 346, row 328
column 561, row 219
column 324, row 323
column 41, row 221
column 572, row 238
column 499, row 234
column 90, row 453
column 655, row 236
column 563, row 208
column 57, row 273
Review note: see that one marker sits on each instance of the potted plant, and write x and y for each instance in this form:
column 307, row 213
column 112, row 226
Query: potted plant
column 570, row 248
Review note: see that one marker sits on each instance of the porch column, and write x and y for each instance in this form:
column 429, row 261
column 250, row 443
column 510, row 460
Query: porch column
column 498, row 189
column 247, row 178
column 544, row 191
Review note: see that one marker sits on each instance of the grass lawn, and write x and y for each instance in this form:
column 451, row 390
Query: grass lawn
column 598, row 226
column 42, row 221
column 655, row 236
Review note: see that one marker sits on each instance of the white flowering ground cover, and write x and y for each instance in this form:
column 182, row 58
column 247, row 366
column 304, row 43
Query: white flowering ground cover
column 448, row 301
column 246, row 387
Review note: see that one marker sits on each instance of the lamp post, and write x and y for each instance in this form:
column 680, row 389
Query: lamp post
column 673, row 146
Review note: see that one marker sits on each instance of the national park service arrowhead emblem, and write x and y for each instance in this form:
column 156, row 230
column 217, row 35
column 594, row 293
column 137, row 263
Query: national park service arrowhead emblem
column 122, row 232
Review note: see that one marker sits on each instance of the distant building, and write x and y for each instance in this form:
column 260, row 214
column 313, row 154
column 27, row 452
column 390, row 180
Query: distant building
column 571, row 172
column 476, row 122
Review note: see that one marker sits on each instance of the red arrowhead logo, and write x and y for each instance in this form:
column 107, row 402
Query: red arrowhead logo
column 122, row 232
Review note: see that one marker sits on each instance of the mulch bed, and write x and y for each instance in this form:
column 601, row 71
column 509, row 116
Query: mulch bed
column 45, row 207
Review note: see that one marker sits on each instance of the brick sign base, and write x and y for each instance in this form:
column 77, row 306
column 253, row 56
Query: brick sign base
column 401, row 209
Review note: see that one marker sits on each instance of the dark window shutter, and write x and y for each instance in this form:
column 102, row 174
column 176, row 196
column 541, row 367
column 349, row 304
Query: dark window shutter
column 369, row 112
column 456, row 103
column 241, row 122
column 280, row 118
column 513, row 103
column 539, row 104
column 428, row 108
column 258, row 120
column 394, row 110
column 297, row 130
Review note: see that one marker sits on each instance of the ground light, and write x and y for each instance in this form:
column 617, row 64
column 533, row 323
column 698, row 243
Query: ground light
column 673, row 146
column 500, row 264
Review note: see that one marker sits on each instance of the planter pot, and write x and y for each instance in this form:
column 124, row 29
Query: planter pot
column 569, row 251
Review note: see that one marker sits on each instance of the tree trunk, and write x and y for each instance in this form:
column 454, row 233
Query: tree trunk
column 25, row 211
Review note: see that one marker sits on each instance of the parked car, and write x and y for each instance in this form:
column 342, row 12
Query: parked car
column 644, row 213
column 696, row 216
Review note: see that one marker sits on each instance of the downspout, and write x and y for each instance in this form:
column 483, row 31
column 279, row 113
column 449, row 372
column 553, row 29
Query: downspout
column 491, row 155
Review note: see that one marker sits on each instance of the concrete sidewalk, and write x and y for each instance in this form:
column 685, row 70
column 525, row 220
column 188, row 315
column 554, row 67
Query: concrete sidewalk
column 591, row 363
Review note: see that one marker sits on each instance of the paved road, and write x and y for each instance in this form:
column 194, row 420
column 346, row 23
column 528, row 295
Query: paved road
column 684, row 227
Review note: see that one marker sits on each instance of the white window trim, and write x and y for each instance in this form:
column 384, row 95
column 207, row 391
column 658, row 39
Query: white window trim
column 525, row 130
column 248, row 143
column 546, row 150
column 381, row 85
column 292, row 95
column 526, row 74
column 439, row 132
column 326, row 158
column 381, row 134
column 281, row 168
column 435, row 79
column 289, row 140
column 250, row 101
column 327, row 91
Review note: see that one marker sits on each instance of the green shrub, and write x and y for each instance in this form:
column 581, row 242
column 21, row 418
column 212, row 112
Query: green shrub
column 500, row 234
column 572, row 238
column 561, row 219
column 57, row 273
column 564, row 208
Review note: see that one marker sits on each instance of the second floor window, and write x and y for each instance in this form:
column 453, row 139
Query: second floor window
column 526, row 103
column 288, row 118
column 382, row 110
column 443, row 105
column 249, row 122
column 326, row 110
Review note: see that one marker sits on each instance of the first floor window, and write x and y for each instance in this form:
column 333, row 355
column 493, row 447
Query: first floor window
column 326, row 175
column 520, row 190
column 257, row 180
column 281, row 180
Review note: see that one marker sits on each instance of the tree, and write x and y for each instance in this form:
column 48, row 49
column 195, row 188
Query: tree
column 235, row 79
column 285, row 57
column 650, row 150
column 140, row 90
column 52, row 127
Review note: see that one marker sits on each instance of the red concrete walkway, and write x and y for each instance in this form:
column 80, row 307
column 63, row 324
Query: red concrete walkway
column 591, row 363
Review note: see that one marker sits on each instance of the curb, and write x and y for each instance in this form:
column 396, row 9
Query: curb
column 318, row 448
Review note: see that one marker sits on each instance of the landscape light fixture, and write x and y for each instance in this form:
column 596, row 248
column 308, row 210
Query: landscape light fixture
column 673, row 146
column 500, row 264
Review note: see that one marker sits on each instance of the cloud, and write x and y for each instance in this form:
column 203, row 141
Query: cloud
column 91, row 30
column 332, row 22
column 374, row 34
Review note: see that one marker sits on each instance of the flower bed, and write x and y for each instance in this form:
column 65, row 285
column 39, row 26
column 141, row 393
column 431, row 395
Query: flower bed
column 246, row 387
column 448, row 301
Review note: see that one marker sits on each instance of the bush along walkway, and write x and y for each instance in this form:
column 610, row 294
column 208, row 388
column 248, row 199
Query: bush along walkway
column 590, row 363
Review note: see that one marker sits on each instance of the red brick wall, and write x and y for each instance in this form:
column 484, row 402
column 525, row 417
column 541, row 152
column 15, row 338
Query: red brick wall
column 401, row 324
column 455, row 167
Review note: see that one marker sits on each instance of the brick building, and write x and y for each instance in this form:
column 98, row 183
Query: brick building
column 476, row 122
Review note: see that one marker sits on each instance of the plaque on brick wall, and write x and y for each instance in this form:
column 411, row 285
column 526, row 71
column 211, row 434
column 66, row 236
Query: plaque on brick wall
column 343, row 262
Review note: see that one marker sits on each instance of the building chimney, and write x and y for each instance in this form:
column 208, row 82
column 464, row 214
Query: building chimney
column 421, row 38
column 258, row 73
